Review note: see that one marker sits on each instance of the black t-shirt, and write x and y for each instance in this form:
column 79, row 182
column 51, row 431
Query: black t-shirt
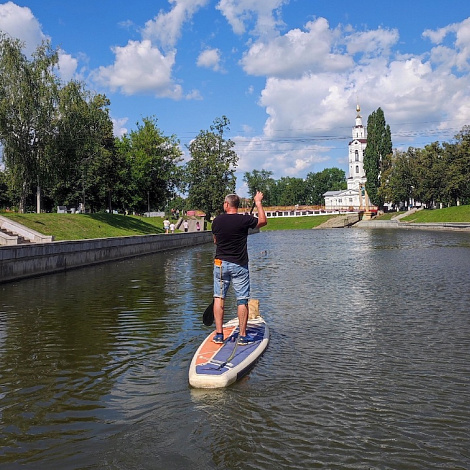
column 231, row 231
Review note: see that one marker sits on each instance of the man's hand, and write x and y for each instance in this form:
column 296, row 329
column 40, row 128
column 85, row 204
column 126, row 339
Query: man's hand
column 258, row 197
column 262, row 220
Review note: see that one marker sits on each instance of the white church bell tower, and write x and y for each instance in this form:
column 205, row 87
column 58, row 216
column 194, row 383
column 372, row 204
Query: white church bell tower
column 352, row 198
column 357, row 176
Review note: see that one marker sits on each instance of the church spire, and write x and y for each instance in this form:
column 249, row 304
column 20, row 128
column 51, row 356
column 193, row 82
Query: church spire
column 358, row 117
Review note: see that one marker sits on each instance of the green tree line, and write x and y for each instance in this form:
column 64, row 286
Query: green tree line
column 57, row 148
column 436, row 175
column 289, row 190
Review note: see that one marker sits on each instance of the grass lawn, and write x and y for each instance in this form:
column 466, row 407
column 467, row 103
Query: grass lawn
column 296, row 223
column 81, row 226
column 448, row 214
column 389, row 215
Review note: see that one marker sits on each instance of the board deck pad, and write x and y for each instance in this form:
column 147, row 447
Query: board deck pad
column 225, row 351
column 218, row 365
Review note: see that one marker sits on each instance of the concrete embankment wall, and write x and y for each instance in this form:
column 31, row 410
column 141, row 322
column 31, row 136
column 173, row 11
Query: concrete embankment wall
column 22, row 261
column 389, row 224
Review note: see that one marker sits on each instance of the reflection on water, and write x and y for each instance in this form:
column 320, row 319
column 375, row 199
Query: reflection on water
column 368, row 364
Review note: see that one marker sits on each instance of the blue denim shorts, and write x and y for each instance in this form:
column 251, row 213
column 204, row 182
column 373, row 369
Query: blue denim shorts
column 233, row 273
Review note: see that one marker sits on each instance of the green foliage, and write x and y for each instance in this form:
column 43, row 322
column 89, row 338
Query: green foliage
column 317, row 184
column 457, row 174
column 429, row 171
column 377, row 154
column 58, row 138
column 261, row 180
column 210, row 174
column 85, row 169
column 397, row 181
column 290, row 191
column 4, row 198
column 437, row 174
column 28, row 97
column 151, row 171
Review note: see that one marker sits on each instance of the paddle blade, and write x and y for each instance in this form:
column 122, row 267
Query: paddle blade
column 208, row 315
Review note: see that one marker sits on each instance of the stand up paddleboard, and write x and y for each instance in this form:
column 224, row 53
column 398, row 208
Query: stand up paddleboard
column 219, row 365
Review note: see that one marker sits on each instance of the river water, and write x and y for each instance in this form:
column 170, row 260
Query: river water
column 368, row 366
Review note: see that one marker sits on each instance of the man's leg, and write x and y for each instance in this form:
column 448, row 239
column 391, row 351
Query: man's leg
column 242, row 311
column 241, row 284
column 219, row 314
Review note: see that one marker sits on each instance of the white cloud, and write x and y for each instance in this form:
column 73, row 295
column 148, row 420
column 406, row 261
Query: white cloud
column 458, row 53
column 210, row 58
column 284, row 157
column 67, row 66
column 297, row 52
column 165, row 28
column 140, row 68
column 425, row 94
column 193, row 95
column 265, row 15
column 372, row 43
column 438, row 35
column 19, row 22
column 119, row 128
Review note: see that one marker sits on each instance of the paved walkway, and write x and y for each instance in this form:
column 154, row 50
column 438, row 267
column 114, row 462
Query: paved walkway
column 192, row 224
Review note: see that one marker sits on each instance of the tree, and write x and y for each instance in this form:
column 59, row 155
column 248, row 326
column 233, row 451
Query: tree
column 260, row 181
column 457, row 164
column 397, row 182
column 317, row 184
column 291, row 191
column 377, row 154
column 4, row 199
column 83, row 149
column 210, row 174
column 28, row 97
column 151, row 164
column 429, row 171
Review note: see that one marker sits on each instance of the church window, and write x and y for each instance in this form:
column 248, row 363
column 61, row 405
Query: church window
column 357, row 168
column 357, row 155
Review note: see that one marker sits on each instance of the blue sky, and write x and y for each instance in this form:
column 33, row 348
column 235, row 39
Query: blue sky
column 287, row 73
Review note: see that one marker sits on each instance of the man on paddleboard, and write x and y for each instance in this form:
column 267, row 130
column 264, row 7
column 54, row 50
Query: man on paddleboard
column 230, row 232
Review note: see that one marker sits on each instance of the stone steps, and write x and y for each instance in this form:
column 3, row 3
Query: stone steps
column 341, row 221
column 19, row 239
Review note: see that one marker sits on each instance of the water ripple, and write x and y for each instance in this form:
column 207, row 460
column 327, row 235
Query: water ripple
column 368, row 364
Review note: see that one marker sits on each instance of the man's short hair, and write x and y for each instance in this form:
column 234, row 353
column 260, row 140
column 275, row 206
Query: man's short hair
column 233, row 200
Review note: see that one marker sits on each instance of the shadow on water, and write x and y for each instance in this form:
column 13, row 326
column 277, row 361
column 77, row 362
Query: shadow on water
column 368, row 364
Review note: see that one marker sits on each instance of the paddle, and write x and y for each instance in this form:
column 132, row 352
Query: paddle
column 208, row 315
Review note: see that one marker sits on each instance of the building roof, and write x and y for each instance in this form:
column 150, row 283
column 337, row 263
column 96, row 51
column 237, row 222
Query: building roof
column 333, row 193
column 362, row 141
column 344, row 192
